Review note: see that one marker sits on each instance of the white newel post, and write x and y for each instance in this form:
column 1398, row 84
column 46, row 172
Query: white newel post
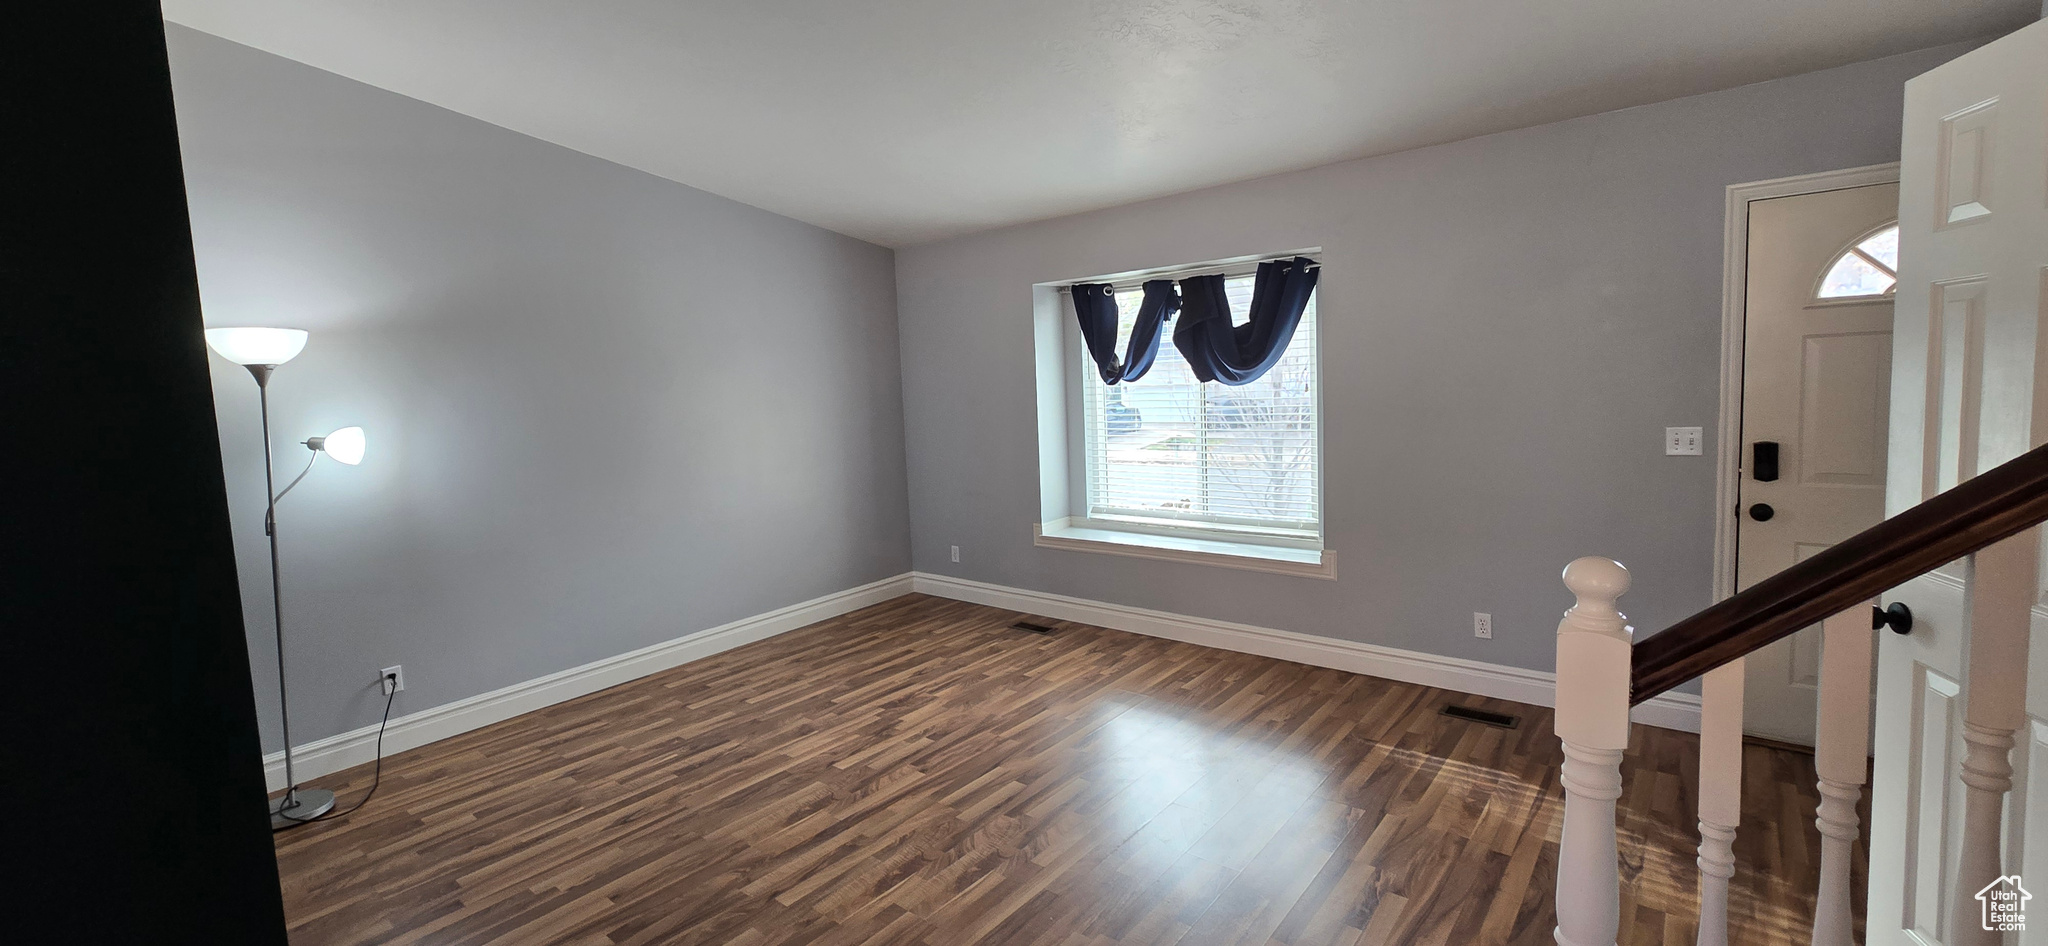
column 1593, row 644
column 1720, row 795
column 2002, row 591
column 1841, row 758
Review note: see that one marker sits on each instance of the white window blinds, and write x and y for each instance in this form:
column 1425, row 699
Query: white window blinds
column 1169, row 450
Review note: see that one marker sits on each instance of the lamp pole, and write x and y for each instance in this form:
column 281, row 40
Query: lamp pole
column 290, row 809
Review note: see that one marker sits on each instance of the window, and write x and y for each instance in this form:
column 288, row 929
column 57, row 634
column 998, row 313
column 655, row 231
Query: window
column 1868, row 269
column 1167, row 454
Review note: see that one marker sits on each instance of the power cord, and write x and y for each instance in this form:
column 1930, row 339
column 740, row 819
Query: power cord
column 376, row 777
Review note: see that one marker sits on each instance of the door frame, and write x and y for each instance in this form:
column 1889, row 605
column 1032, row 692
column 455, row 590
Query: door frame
column 1734, row 315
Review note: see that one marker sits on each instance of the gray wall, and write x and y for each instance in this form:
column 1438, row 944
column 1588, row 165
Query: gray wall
column 1508, row 324
column 604, row 409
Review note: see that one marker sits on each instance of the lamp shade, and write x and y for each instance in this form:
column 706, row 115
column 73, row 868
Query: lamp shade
column 257, row 346
column 345, row 445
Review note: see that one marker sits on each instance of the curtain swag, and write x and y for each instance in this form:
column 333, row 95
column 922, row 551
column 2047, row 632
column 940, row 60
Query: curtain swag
column 1095, row 306
column 1240, row 354
column 1216, row 349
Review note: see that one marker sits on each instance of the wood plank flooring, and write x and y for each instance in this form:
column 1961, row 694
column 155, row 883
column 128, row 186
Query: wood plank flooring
column 919, row 774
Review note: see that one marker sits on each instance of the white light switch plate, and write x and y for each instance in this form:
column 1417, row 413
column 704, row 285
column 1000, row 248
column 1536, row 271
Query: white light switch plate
column 1682, row 441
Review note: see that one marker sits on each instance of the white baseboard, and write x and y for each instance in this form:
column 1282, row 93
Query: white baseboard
column 334, row 753
column 412, row 730
column 1669, row 711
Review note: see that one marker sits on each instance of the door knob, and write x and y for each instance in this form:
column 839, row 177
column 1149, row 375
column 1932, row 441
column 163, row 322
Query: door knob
column 1762, row 512
column 1898, row 617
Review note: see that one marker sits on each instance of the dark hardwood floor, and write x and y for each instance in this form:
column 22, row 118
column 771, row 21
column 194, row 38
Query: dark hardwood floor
column 919, row 773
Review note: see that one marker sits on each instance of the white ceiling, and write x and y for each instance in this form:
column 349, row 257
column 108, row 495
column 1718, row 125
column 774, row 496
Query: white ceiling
column 903, row 121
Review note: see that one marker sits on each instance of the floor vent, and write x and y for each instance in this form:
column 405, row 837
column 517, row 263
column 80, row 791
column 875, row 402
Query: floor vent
column 1033, row 628
column 1502, row 720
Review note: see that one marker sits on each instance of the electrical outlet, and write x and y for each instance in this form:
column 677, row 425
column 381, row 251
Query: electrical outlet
column 1682, row 441
column 1482, row 625
column 392, row 679
column 956, row 554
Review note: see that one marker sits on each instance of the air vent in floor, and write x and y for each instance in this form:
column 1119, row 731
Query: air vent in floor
column 1033, row 627
column 1486, row 717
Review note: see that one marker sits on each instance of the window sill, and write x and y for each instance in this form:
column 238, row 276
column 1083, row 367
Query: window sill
column 1065, row 534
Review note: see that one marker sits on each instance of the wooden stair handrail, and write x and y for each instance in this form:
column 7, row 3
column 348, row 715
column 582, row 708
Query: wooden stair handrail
column 1984, row 509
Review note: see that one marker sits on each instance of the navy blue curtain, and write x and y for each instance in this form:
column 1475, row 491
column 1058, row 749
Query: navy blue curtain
column 1095, row 307
column 1240, row 354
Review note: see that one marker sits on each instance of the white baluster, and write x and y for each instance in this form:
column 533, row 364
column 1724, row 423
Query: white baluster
column 1720, row 795
column 2002, row 591
column 1593, row 643
column 1841, row 757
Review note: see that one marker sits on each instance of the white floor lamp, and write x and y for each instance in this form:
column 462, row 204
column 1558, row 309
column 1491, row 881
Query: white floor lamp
column 261, row 350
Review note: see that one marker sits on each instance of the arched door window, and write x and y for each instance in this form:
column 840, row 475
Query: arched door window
column 1865, row 269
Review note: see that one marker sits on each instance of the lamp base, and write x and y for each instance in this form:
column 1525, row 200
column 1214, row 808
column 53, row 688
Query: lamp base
column 311, row 803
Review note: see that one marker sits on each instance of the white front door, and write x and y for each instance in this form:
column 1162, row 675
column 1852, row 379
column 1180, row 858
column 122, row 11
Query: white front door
column 1816, row 381
column 1973, row 208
